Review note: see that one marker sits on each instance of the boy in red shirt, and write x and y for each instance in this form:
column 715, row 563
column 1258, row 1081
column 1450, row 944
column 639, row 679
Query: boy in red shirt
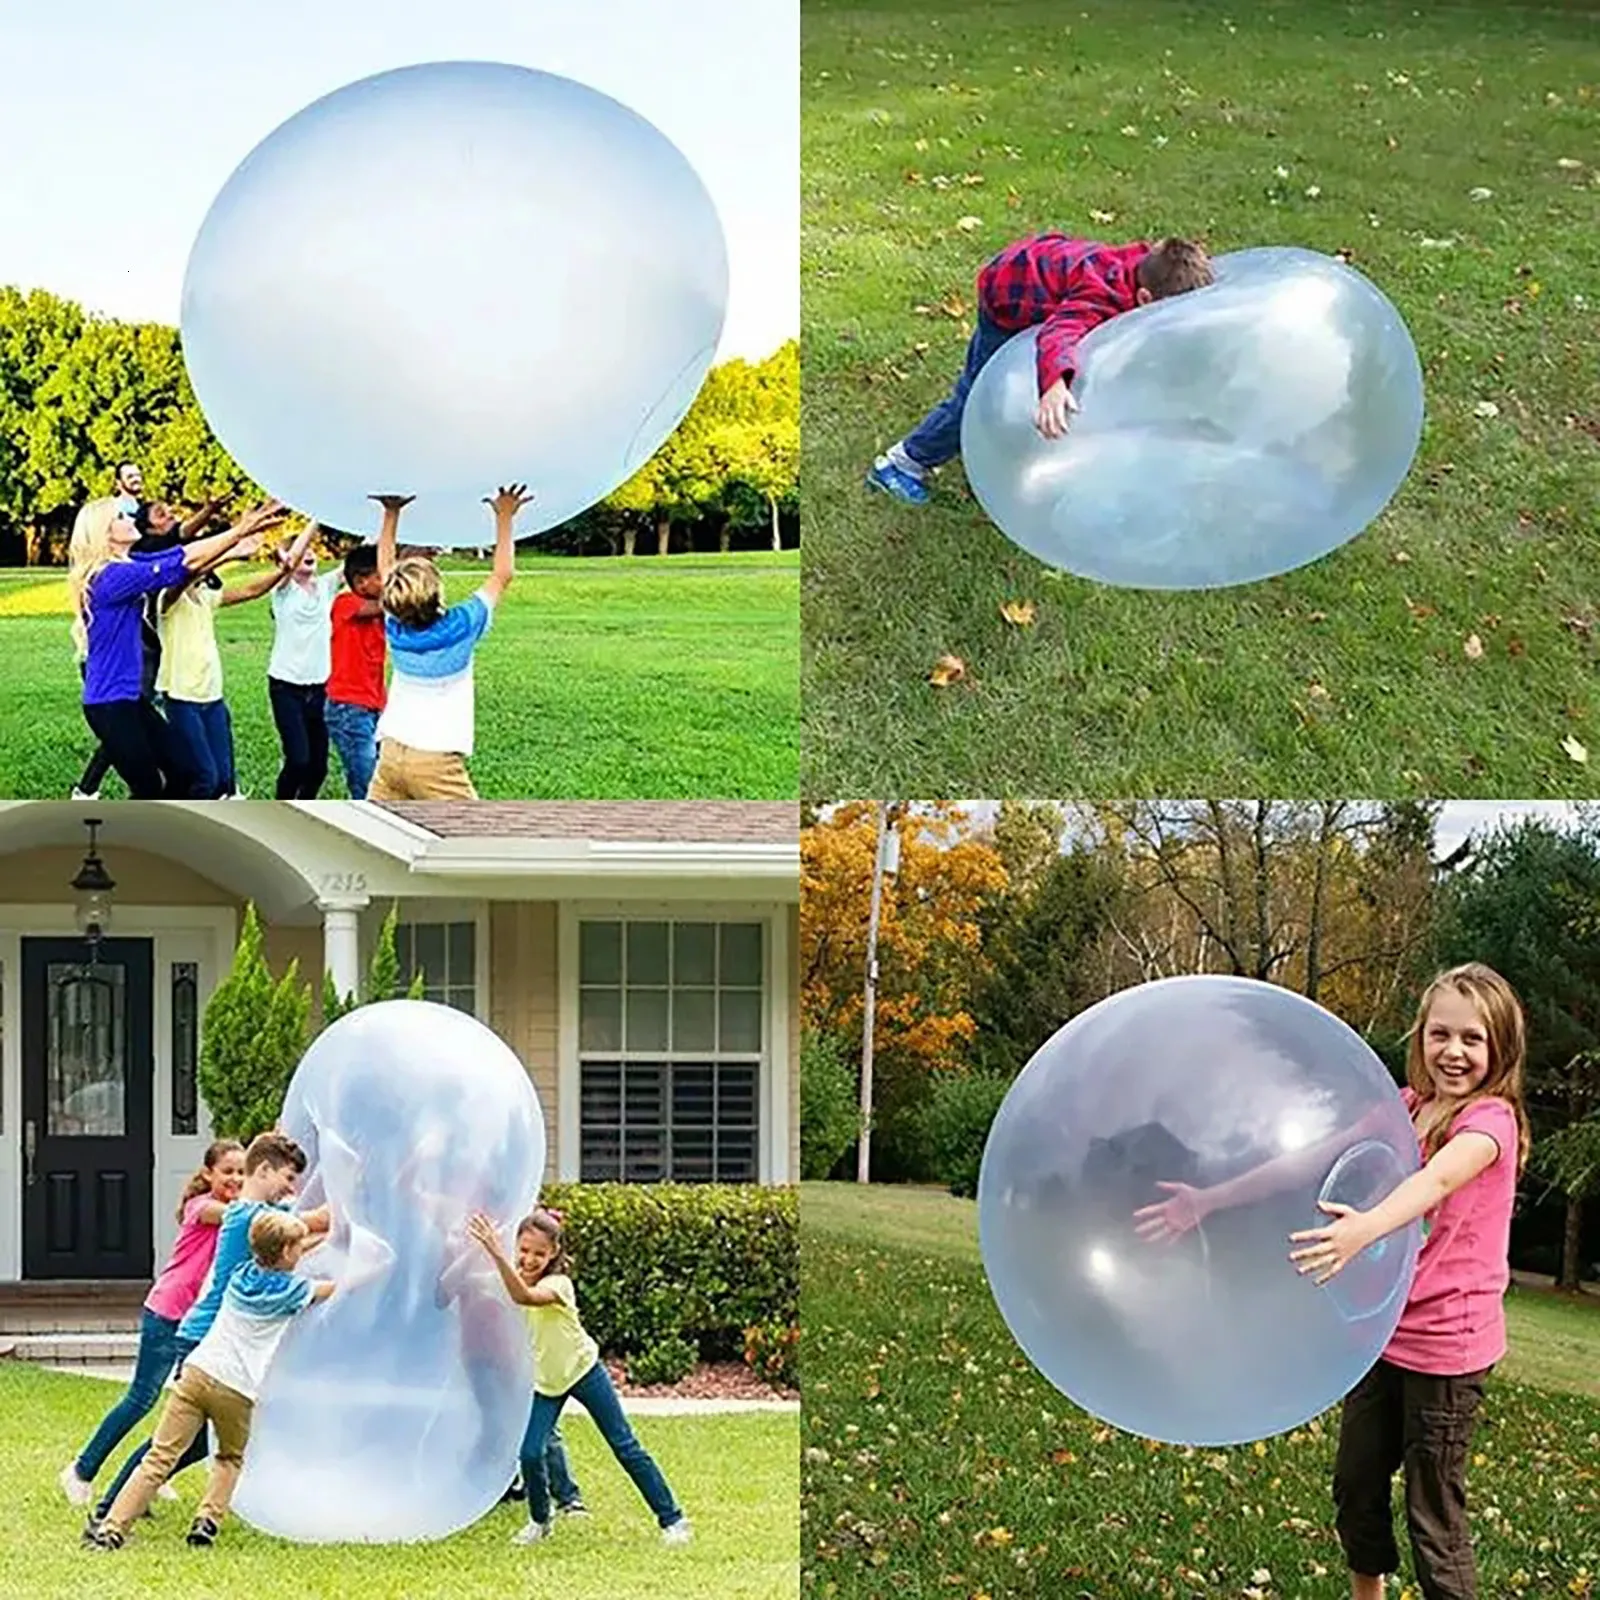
column 355, row 686
column 1065, row 287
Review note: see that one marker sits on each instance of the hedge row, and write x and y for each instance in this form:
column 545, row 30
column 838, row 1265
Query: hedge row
column 670, row 1273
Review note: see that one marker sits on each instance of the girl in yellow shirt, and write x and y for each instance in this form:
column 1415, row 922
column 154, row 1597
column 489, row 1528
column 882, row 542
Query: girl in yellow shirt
column 567, row 1365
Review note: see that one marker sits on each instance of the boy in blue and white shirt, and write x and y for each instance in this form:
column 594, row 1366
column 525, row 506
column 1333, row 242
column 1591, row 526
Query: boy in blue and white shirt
column 426, row 731
column 221, row 1378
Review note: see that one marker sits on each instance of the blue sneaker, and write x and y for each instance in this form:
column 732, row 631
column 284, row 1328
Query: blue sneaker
column 903, row 486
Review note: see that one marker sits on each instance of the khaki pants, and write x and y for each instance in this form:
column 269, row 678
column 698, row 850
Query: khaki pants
column 408, row 774
column 196, row 1399
column 1395, row 1418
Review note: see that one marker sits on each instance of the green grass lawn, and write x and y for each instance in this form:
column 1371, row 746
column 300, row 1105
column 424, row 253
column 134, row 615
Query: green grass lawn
column 604, row 679
column 737, row 1477
column 935, row 131
column 937, row 1462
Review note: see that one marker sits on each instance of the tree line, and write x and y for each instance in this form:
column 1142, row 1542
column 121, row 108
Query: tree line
column 80, row 393
column 994, row 932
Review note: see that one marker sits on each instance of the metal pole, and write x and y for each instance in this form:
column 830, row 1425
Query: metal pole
column 870, row 1006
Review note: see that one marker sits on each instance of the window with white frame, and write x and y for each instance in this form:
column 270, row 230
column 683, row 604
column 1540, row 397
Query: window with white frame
column 671, row 1035
column 446, row 954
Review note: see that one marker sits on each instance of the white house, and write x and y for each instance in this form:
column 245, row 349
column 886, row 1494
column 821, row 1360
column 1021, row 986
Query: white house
column 638, row 957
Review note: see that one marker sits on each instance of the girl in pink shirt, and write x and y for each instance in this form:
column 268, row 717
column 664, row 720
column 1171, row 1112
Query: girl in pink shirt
column 1416, row 1407
column 176, row 1288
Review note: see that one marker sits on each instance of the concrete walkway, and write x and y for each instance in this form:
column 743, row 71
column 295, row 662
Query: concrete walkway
column 635, row 1405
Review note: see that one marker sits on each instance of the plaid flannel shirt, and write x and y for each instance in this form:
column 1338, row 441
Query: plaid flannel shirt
column 1065, row 286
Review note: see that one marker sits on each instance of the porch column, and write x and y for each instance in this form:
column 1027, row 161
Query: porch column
column 341, row 935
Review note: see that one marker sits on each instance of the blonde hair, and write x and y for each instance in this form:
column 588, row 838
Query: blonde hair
column 413, row 593
column 271, row 1235
column 1499, row 1008
column 88, row 555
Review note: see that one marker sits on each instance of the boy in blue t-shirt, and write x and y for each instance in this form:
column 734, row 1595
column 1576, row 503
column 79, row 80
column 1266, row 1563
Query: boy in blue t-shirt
column 426, row 731
column 272, row 1168
column 223, row 1376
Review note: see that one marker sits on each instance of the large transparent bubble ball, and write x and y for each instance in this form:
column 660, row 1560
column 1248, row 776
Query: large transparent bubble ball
column 450, row 277
column 1206, row 1336
column 394, row 1411
column 1225, row 435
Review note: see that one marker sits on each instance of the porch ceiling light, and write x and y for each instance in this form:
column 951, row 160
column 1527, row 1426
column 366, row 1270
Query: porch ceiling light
column 92, row 890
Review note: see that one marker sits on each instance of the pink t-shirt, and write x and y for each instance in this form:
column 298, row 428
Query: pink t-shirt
column 178, row 1284
column 1455, row 1319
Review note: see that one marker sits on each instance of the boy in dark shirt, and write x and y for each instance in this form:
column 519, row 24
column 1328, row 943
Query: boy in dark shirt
column 1063, row 286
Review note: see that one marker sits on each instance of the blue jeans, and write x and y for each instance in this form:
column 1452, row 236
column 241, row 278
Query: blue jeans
column 593, row 1391
column 206, row 730
column 198, row 1450
column 353, row 732
column 157, row 1353
column 937, row 438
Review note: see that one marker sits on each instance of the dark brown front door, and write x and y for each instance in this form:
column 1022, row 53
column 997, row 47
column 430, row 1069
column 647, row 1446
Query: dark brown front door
column 87, row 1072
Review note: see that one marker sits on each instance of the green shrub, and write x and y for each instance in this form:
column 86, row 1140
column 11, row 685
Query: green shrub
column 772, row 1351
column 830, row 1104
column 697, row 1262
column 253, row 1036
column 954, row 1124
column 666, row 1361
column 382, row 981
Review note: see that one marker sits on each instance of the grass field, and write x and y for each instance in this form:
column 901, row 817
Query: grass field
column 938, row 1463
column 735, row 1475
column 1450, row 649
column 605, row 679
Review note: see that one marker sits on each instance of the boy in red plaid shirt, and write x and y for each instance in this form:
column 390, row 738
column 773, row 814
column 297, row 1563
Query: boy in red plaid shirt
column 1065, row 287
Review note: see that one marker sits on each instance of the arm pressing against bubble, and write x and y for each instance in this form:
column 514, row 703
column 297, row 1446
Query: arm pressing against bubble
column 525, row 1294
column 1187, row 1206
column 1326, row 1251
column 202, row 554
column 277, row 574
column 389, row 530
column 506, row 504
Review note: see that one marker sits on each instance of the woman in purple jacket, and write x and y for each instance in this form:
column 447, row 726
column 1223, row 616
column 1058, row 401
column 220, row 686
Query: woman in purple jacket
column 107, row 581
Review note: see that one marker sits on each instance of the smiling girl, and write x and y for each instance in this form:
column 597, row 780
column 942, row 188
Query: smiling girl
column 1416, row 1407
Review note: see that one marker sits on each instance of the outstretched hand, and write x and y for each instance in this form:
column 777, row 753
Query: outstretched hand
column 1170, row 1219
column 510, row 500
column 266, row 515
column 393, row 502
column 1328, row 1251
column 482, row 1229
column 1056, row 407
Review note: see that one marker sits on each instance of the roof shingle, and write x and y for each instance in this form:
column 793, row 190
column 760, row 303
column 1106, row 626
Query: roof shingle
column 614, row 821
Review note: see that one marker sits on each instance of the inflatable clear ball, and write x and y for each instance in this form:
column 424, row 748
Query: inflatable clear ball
column 1224, row 435
column 394, row 1411
column 450, row 277
column 1195, row 1333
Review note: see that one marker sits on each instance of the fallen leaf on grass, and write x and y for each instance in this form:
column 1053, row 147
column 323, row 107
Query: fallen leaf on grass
column 1568, row 164
column 1018, row 612
column 1515, row 646
column 1473, row 648
column 1314, row 691
column 968, row 224
column 1400, row 558
column 1102, row 216
column 1486, row 409
column 1576, row 751
column 1419, row 609
column 947, row 670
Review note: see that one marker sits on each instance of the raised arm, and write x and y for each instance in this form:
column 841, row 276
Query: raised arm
column 192, row 525
column 506, row 504
column 389, row 529
column 202, row 553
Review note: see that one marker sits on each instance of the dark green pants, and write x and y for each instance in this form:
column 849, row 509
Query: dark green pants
column 1393, row 1419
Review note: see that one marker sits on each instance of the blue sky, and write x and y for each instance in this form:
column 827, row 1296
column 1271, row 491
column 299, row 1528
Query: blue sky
column 121, row 120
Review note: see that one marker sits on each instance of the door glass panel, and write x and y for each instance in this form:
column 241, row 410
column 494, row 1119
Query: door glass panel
column 86, row 1043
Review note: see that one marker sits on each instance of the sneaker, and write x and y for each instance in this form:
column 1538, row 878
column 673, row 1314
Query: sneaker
column 77, row 1491
column 202, row 1533
column 97, row 1538
column 84, row 794
column 573, row 1508
column 903, row 486
column 533, row 1532
column 514, row 1491
column 166, row 1492
column 678, row 1533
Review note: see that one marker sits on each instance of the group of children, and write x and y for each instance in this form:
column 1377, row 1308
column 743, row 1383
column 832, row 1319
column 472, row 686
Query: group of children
column 221, row 1304
column 145, row 590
